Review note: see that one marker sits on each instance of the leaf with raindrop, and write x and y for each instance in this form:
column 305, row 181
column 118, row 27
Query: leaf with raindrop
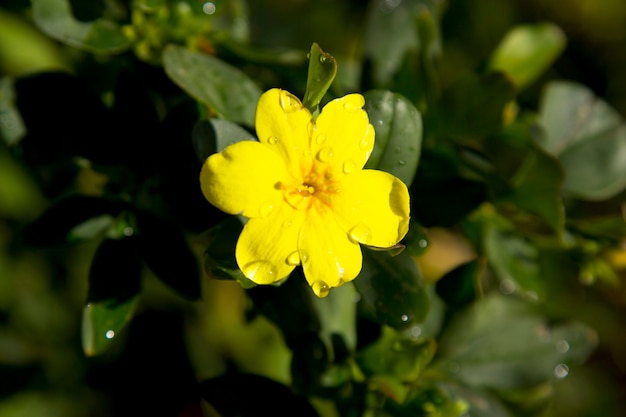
column 102, row 322
column 391, row 289
column 228, row 91
column 322, row 71
column 500, row 342
column 398, row 126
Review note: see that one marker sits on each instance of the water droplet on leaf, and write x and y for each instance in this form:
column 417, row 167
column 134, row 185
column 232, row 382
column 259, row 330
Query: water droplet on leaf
column 261, row 272
column 401, row 162
column 110, row 334
column 321, row 289
column 360, row 234
column 562, row 346
column 404, row 318
column 561, row 371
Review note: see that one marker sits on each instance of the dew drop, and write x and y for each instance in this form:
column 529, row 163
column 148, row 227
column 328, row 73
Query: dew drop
column 261, row 272
column 561, row 371
column 422, row 243
column 288, row 102
column 401, row 162
column 209, row 7
column 356, row 297
column 404, row 318
column 324, row 59
column 321, row 138
column 272, row 140
column 325, row 154
column 321, row 289
column 349, row 166
column 365, row 143
column 287, row 224
column 110, row 334
column 360, row 234
column 415, row 332
column 266, row 209
column 128, row 231
column 304, row 257
column 293, row 259
column 349, row 106
column 507, row 286
column 562, row 346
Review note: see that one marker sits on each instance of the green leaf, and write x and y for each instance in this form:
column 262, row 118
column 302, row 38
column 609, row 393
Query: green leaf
column 526, row 51
column 391, row 289
column 219, row 256
column 589, row 139
column 516, row 263
column 499, row 342
column 225, row 89
column 395, row 355
column 337, row 315
column 322, row 71
column 398, row 126
column 103, row 322
column 55, row 18
column 213, row 135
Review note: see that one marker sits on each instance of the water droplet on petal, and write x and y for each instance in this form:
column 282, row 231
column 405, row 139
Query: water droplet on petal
column 321, row 138
column 325, row 154
column 261, row 272
column 288, row 102
column 266, row 209
column 350, row 106
column 272, row 140
column 349, row 166
column 561, row 371
column 287, row 224
column 293, row 258
column 365, row 143
column 110, row 334
column 304, row 257
column 360, row 234
column 321, row 289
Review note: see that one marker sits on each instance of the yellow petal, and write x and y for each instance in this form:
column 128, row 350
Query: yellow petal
column 372, row 207
column 343, row 136
column 267, row 249
column 284, row 123
column 244, row 179
column 328, row 257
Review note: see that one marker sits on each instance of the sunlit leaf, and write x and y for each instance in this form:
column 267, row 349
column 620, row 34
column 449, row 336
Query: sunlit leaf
column 102, row 322
column 55, row 18
column 391, row 289
column 398, row 126
column 225, row 89
column 322, row 71
column 500, row 342
column 589, row 139
column 526, row 51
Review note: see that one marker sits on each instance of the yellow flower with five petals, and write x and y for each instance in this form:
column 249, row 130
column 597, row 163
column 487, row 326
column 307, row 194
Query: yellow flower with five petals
column 305, row 193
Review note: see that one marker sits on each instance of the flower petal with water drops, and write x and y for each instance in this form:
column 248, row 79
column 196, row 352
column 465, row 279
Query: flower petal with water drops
column 328, row 257
column 283, row 122
column 373, row 208
column 244, row 179
column 343, row 137
column 267, row 249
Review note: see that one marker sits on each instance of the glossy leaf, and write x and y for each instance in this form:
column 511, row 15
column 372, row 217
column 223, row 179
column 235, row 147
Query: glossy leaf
column 458, row 287
column 54, row 17
column 526, row 51
column 397, row 356
column 103, row 322
column 115, row 272
column 264, row 397
column 398, row 126
column 589, row 139
column 500, row 342
column 213, row 135
column 322, row 71
column 391, row 289
column 229, row 92
column 12, row 128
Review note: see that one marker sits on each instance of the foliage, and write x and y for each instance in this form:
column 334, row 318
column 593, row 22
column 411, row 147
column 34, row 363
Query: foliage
column 119, row 289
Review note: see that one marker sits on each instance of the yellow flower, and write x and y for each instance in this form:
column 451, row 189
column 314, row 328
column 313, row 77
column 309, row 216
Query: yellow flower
column 304, row 190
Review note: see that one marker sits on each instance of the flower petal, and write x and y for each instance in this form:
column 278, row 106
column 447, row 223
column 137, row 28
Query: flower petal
column 244, row 179
column 283, row 122
column 267, row 249
column 328, row 257
column 373, row 208
column 343, row 136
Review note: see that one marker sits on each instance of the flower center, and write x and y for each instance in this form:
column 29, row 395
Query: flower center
column 315, row 186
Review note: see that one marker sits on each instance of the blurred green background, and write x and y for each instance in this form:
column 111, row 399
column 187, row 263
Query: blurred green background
column 171, row 343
